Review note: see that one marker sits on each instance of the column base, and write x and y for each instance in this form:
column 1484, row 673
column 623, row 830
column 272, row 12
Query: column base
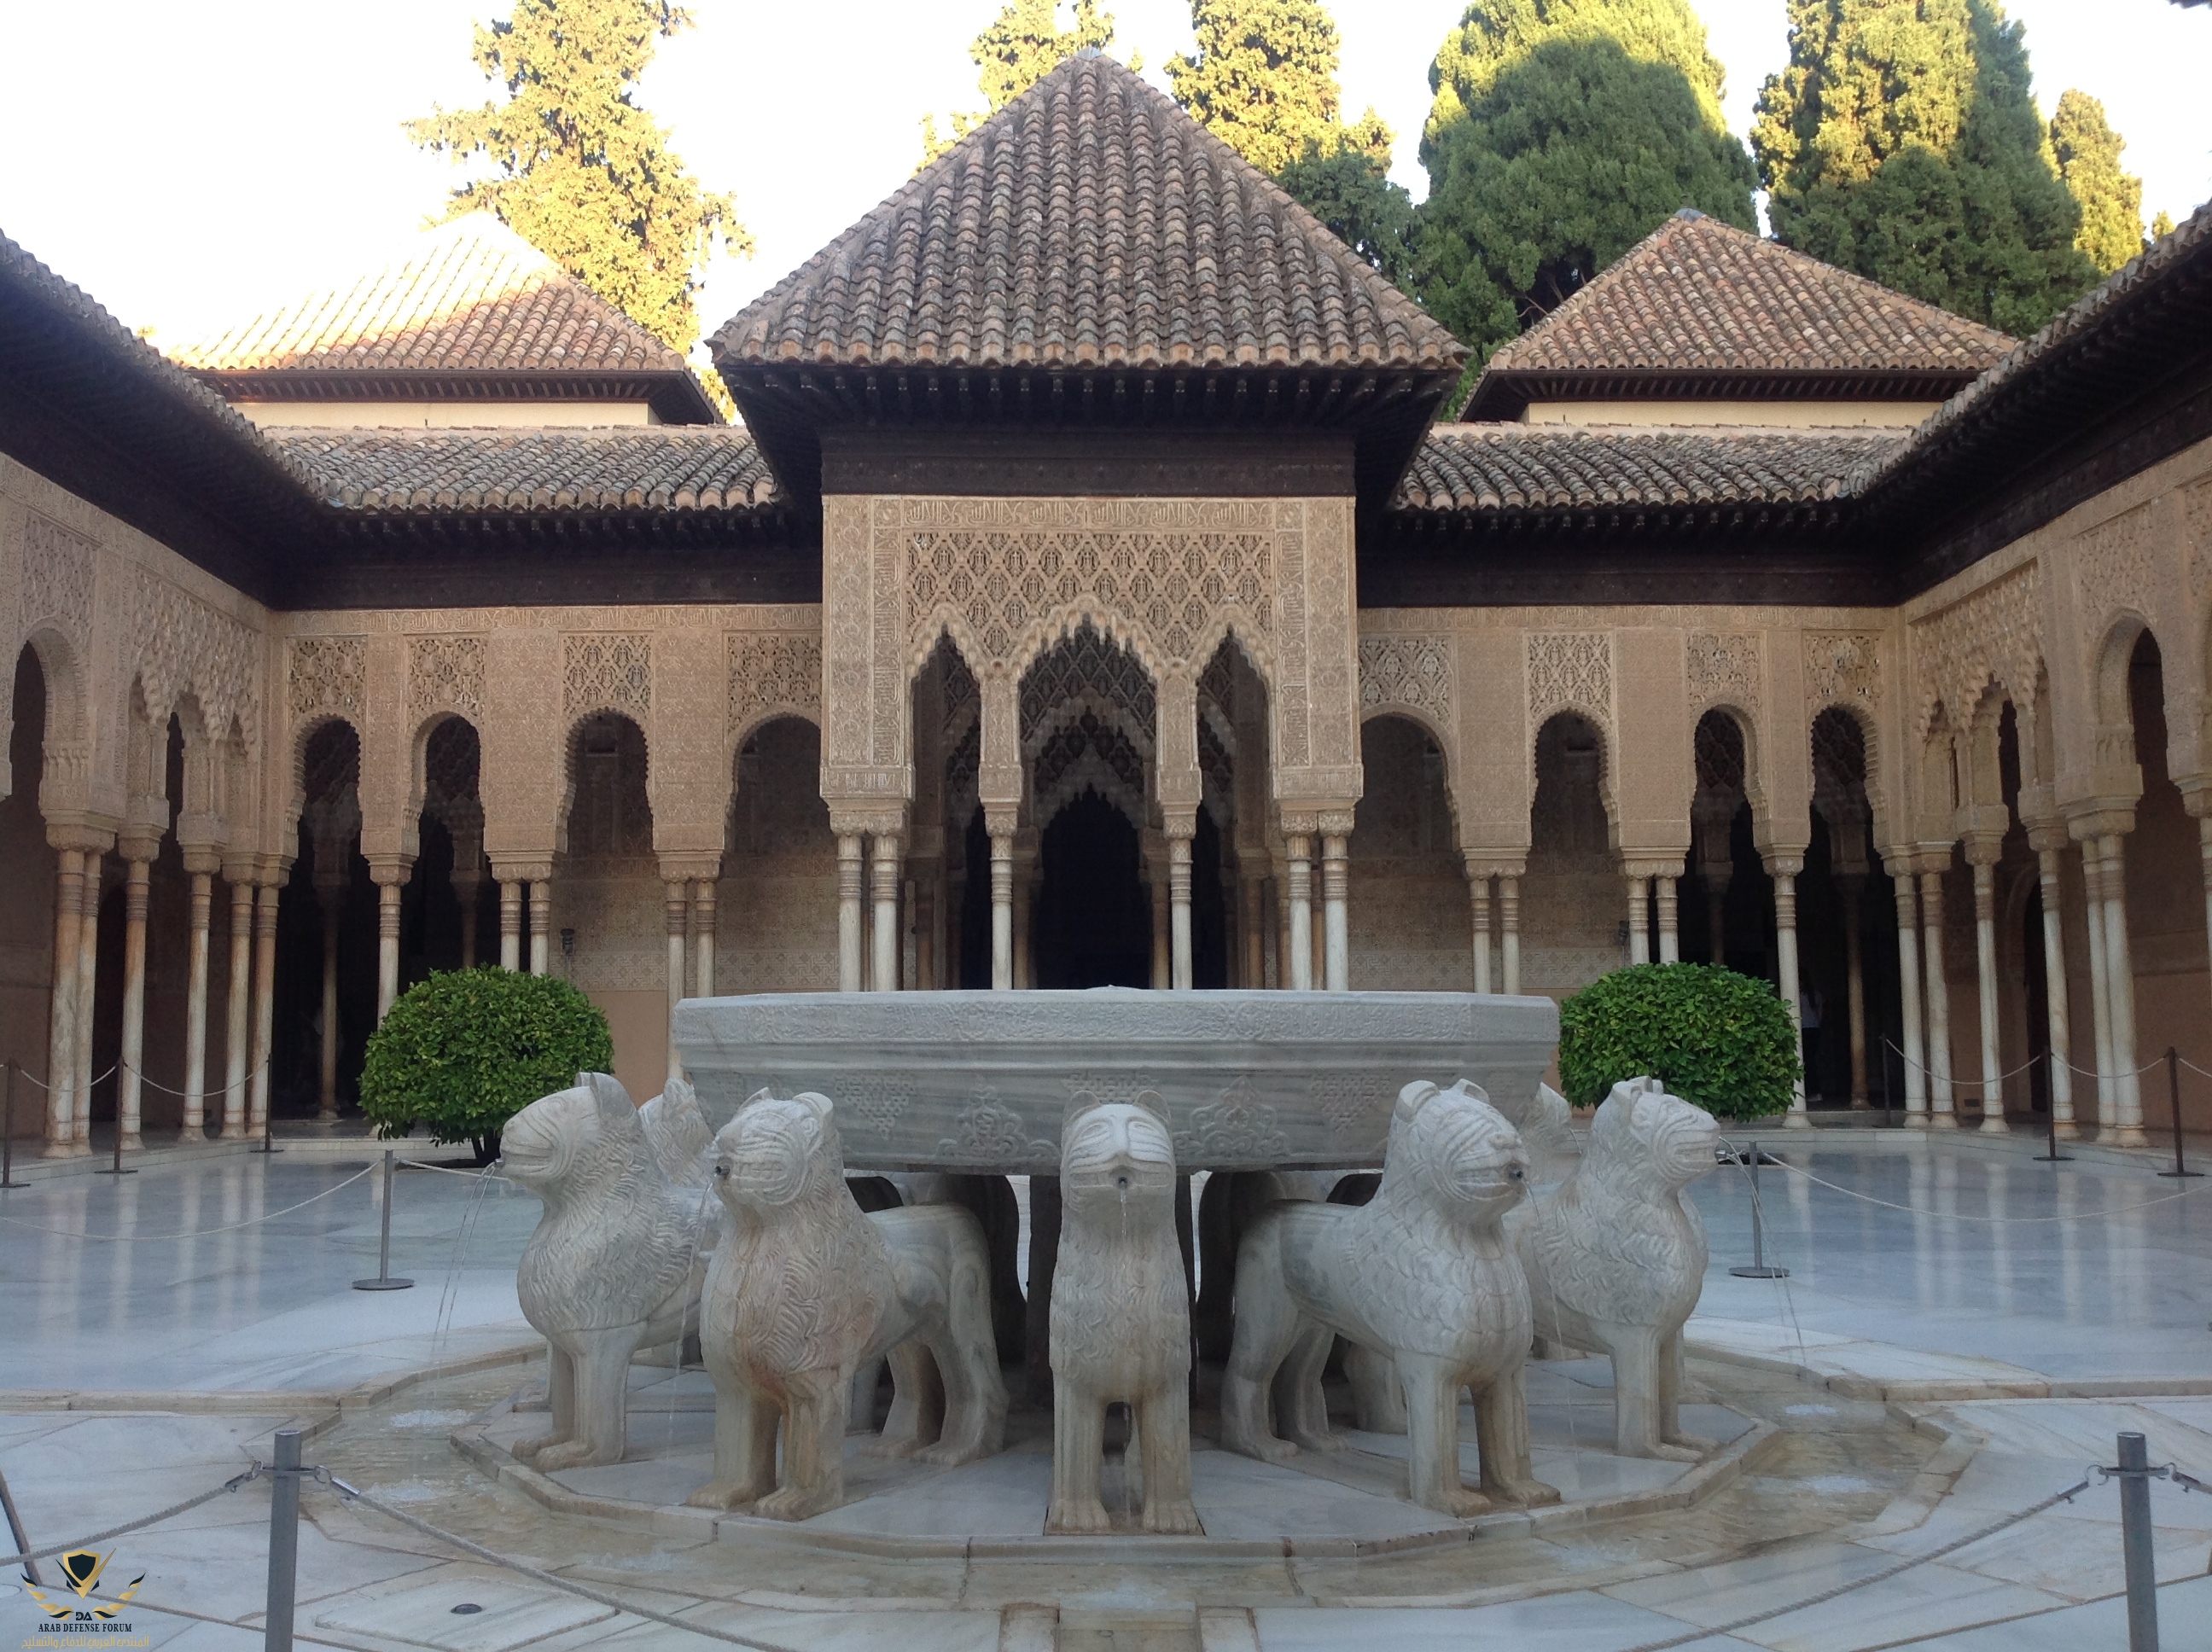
column 1797, row 1119
column 1945, row 1120
column 64, row 1150
column 2067, row 1130
column 1993, row 1124
column 231, row 1133
column 1860, row 1104
column 326, row 1115
column 2131, row 1135
column 134, row 1143
column 1915, row 1121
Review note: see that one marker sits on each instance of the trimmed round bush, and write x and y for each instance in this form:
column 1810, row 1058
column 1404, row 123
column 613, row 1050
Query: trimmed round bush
column 463, row 1051
column 1716, row 1038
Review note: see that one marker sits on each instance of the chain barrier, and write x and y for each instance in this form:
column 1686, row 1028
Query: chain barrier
column 1996, row 1221
column 156, row 1084
column 170, row 1513
column 49, row 1089
column 194, row 1233
column 1976, row 1078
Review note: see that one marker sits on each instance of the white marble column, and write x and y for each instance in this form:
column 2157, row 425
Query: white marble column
column 1509, row 930
column 61, row 1046
column 2049, row 838
column 850, row 878
column 88, row 984
column 239, row 1002
column 1670, row 930
column 1915, row 1051
column 1478, row 895
column 264, row 1001
column 1639, row 921
column 2101, row 997
column 510, row 923
column 1982, row 854
column 390, row 880
column 1785, row 870
column 1282, row 888
column 1000, row 829
column 1336, row 910
column 1940, row 1108
column 1300, row 850
column 541, row 922
column 675, row 915
column 702, row 937
column 1179, row 873
column 200, row 864
column 885, row 864
column 138, row 856
column 2120, row 982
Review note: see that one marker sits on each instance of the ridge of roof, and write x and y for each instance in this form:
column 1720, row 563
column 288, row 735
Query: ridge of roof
column 1508, row 467
column 471, row 297
column 1089, row 224
column 1698, row 296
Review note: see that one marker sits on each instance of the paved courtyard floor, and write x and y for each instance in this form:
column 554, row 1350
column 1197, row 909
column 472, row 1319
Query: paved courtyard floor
column 1922, row 1372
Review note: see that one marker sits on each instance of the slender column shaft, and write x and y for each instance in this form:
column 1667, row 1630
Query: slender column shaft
column 1024, row 954
column 1986, row 967
column 333, row 905
column 1670, row 932
column 676, row 910
column 541, row 925
column 2056, row 1037
column 465, row 891
column 1300, row 849
column 1908, row 969
column 1251, row 896
column 1509, row 927
column 1716, row 913
column 1639, row 920
column 196, row 1006
column 702, row 937
column 1855, row 990
column 2100, row 997
column 88, row 982
column 1336, row 910
column 2119, row 971
column 264, row 1001
column 1785, row 957
column 1283, row 970
column 387, row 948
column 1162, row 944
column 61, row 1046
column 134, row 1002
column 1939, row 999
column 510, row 924
column 848, row 912
column 1179, row 970
column 238, row 1005
column 1478, row 891
column 1002, row 911
column 923, row 896
column 885, row 866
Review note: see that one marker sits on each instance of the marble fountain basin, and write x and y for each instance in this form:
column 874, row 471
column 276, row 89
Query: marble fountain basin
column 980, row 1080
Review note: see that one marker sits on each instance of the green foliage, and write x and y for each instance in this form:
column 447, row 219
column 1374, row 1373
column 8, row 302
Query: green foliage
column 1352, row 193
column 579, row 170
column 1712, row 1037
column 1263, row 80
column 2088, row 151
column 1903, row 142
column 1019, row 47
column 464, row 1052
column 2160, row 227
column 1562, row 133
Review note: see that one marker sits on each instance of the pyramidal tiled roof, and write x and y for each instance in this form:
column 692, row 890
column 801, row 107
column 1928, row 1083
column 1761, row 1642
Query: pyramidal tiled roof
column 1089, row 224
column 1698, row 296
column 1521, row 467
column 472, row 299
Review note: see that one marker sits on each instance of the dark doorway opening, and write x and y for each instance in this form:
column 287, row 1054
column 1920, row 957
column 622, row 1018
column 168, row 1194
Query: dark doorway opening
column 1093, row 920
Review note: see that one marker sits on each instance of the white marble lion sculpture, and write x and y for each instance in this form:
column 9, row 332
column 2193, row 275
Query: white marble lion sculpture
column 1616, row 1258
column 1120, row 1317
column 1422, row 1274
column 806, row 1289
column 615, row 1264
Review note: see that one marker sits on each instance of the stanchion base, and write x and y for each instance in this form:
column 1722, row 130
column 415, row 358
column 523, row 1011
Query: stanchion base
column 265, row 1149
column 1760, row 1272
column 131, row 1170
column 2053, row 1158
column 2171, row 1175
column 384, row 1284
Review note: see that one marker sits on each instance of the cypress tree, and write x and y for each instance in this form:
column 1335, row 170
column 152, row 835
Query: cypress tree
column 1562, row 133
column 1350, row 190
column 1902, row 142
column 2087, row 150
column 1018, row 48
column 1263, row 80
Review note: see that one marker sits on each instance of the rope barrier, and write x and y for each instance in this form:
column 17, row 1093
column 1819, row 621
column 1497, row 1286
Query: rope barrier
column 1995, row 1221
column 194, row 1233
column 169, row 1513
column 156, row 1084
column 49, row 1089
column 1976, row 1078
column 486, row 1174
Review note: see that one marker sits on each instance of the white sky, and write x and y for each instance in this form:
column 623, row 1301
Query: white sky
column 191, row 164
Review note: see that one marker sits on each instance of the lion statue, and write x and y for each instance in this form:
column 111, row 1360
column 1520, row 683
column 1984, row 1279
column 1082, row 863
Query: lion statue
column 1120, row 1316
column 616, row 1262
column 1421, row 1273
column 1616, row 1258
column 805, row 1290
column 681, row 1138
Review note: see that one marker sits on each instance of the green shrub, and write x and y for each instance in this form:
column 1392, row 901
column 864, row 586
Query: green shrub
column 1712, row 1037
column 464, row 1052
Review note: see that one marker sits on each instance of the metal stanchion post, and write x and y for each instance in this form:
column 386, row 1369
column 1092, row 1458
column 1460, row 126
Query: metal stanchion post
column 2173, row 1092
column 384, row 1281
column 116, row 1168
column 283, row 1540
column 2134, row 1475
column 1759, row 1269
column 7, row 1134
column 269, row 1129
column 2051, row 1124
column 15, row 1530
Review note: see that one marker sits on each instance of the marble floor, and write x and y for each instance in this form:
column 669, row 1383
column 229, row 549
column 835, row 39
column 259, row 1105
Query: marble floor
column 2095, row 1274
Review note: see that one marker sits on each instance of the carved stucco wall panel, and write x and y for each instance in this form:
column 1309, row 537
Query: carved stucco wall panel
column 446, row 674
column 1724, row 668
column 1993, row 635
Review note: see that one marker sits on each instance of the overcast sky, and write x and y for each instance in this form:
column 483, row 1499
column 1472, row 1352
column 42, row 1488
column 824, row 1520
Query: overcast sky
column 190, row 164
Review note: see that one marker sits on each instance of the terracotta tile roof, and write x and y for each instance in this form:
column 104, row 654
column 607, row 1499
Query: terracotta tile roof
column 1089, row 224
column 1519, row 467
column 1699, row 296
column 473, row 300
column 640, row 468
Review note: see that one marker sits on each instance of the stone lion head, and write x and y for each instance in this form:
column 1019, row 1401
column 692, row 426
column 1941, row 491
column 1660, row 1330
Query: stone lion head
column 776, row 1152
column 1669, row 1141
column 590, row 1125
column 1113, row 1151
column 1451, row 1149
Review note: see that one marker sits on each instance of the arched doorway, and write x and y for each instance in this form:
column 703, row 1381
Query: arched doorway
column 609, row 922
column 776, row 905
column 27, row 896
column 1571, row 898
column 1092, row 924
column 1410, row 924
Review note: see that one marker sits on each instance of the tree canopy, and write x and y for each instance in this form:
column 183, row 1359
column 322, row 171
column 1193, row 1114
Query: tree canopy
column 1350, row 190
column 579, row 170
column 1562, row 133
column 1902, row 142
column 2087, row 150
column 1263, row 80
column 1018, row 48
